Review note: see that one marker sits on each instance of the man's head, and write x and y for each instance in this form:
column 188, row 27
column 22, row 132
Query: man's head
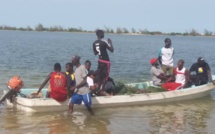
column 69, row 67
column 201, row 61
column 180, row 64
column 57, row 67
column 154, row 62
column 87, row 64
column 167, row 42
column 100, row 34
column 75, row 59
column 91, row 74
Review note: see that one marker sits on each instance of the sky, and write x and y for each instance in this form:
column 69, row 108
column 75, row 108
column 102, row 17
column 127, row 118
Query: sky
column 153, row 15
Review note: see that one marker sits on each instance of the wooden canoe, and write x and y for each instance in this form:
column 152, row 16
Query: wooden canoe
column 48, row 104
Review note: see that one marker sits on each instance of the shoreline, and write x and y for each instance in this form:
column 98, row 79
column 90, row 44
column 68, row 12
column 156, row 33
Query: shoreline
column 91, row 32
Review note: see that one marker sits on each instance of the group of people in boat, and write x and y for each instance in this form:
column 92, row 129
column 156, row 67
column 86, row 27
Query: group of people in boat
column 81, row 83
column 172, row 78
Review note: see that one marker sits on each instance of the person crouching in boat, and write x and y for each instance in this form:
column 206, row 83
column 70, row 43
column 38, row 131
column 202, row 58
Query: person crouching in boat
column 203, row 73
column 180, row 77
column 92, row 83
column 158, row 77
column 109, row 85
column 58, row 84
column 90, row 80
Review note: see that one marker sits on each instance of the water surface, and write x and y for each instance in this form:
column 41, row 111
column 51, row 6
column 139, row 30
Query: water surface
column 33, row 54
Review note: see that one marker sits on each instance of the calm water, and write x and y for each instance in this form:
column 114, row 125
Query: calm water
column 33, row 54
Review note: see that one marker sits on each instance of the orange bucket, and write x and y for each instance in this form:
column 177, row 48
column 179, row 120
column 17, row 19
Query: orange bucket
column 15, row 83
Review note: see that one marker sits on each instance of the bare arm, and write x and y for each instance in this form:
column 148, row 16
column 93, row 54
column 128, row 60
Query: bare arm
column 162, row 76
column 189, row 77
column 110, row 45
column 44, row 83
column 172, row 78
column 160, row 56
column 210, row 76
column 159, row 60
column 80, row 84
column 92, row 87
column 186, row 78
column 94, row 49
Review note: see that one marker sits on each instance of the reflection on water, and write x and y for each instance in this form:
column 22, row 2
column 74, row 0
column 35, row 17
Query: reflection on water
column 185, row 117
column 176, row 124
column 213, row 94
column 193, row 116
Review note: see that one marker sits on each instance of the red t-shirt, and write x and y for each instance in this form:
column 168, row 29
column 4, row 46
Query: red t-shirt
column 58, row 86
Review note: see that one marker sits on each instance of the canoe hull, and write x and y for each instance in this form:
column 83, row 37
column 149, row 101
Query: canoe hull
column 47, row 105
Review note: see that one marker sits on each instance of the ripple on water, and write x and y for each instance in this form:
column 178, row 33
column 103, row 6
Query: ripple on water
column 129, row 62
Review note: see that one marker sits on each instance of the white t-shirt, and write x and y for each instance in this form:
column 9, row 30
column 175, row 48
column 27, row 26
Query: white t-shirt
column 90, row 81
column 180, row 75
column 167, row 56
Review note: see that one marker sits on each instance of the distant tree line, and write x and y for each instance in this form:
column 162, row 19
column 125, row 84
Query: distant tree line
column 40, row 27
column 118, row 30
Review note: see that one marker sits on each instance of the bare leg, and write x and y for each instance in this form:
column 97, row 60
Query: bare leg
column 70, row 108
column 103, row 93
column 102, row 89
column 90, row 110
column 47, row 94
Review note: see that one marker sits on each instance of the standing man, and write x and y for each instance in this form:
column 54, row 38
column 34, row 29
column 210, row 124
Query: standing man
column 157, row 74
column 100, row 47
column 203, row 73
column 180, row 77
column 81, row 89
column 165, row 57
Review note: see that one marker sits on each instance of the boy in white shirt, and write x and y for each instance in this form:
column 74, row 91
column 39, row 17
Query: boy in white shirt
column 165, row 57
column 90, row 77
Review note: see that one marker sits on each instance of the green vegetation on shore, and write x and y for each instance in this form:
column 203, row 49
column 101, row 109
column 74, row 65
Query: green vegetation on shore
column 118, row 30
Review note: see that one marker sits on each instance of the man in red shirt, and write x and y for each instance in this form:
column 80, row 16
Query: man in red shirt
column 58, row 84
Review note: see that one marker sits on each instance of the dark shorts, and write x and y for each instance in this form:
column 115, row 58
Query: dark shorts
column 198, row 80
column 103, row 69
column 77, row 99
